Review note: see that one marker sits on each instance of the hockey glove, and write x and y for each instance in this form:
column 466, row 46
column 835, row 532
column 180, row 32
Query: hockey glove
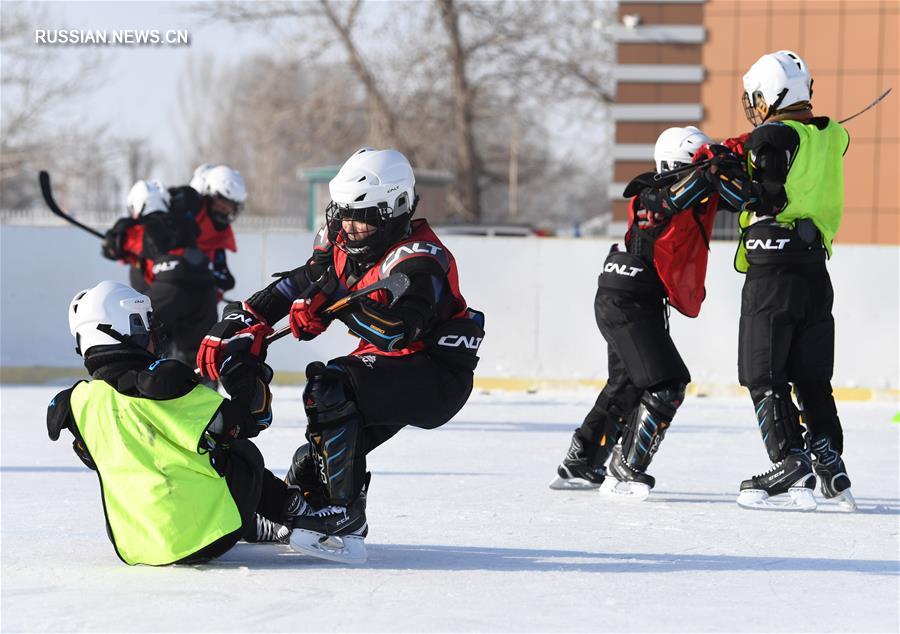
column 246, row 379
column 724, row 162
column 224, row 278
column 647, row 219
column 306, row 324
column 114, row 239
column 239, row 331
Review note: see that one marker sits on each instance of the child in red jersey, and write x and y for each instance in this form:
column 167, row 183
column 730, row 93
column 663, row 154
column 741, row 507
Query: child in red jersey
column 416, row 355
column 664, row 263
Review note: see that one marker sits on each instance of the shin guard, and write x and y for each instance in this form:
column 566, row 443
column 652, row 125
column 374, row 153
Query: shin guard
column 333, row 432
column 779, row 421
column 648, row 424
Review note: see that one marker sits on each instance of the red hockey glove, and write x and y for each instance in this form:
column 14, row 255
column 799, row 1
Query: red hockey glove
column 305, row 322
column 220, row 343
column 736, row 144
column 241, row 329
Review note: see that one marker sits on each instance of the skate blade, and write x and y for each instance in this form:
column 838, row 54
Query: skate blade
column 573, row 484
column 628, row 491
column 845, row 501
column 798, row 499
column 347, row 549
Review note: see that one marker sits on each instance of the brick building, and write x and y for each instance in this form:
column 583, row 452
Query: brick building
column 680, row 62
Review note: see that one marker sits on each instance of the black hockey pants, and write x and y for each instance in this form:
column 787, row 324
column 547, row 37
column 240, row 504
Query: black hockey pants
column 254, row 489
column 393, row 392
column 641, row 355
column 787, row 337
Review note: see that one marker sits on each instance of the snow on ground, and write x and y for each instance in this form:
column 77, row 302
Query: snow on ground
column 466, row 536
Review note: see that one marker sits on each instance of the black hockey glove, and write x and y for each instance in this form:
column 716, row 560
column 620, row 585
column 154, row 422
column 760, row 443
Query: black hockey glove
column 224, row 278
column 246, row 379
column 725, row 163
column 114, row 239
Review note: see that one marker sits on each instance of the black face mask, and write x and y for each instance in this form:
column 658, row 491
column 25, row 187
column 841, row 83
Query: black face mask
column 367, row 250
column 219, row 221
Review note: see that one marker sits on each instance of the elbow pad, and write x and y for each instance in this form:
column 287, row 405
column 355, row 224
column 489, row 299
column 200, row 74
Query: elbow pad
column 386, row 328
column 689, row 191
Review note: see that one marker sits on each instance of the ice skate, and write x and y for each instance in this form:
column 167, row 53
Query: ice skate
column 787, row 486
column 578, row 470
column 627, row 484
column 833, row 479
column 336, row 533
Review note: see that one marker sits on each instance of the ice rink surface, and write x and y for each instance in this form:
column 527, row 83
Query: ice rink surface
column 466, row 536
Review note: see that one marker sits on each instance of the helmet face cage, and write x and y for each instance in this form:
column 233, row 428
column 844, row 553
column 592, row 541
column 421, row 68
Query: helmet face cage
column 670, row 165
column 750, row 111
column 223, row 215
column 389, row 223
column 368, row 248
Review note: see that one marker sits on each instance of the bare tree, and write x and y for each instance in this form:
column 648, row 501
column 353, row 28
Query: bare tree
column 468, row 165
column 473, row 87
column 139, row 159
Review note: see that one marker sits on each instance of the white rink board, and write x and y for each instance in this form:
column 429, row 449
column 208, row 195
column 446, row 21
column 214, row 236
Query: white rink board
column 537, row 295
column 466, row 536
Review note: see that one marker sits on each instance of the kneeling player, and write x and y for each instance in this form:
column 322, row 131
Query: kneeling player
column 180, row 482
column 664, row 263
column 415, row 361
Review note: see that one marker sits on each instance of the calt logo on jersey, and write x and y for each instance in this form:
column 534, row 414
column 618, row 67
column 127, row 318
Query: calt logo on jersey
column 768, row 244
column 622, row 269
column 409, row 249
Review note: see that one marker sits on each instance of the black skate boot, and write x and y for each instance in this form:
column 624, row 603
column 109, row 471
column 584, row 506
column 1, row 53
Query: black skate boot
column 833, row 479
column 333, row 532
column 582, row 468
column 793, row 475
column 628, row 482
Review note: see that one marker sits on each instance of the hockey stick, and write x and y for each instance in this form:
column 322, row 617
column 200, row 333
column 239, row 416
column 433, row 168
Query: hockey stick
column 396, row 284
column 679, row 170
column 871, row 105
column 47, row 192
column 684, row 168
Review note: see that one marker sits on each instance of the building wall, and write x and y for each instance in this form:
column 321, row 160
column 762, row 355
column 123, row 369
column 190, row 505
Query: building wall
column 851, row 47
column 659, row 75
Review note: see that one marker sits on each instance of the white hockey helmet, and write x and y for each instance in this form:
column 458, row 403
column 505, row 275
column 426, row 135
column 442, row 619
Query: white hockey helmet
column 778, row 81
column 147, row 196
column 198, row 179
column 375, row 178
column 108, row 314
column 377, row 187
column 221, row 180
column 677, row 146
